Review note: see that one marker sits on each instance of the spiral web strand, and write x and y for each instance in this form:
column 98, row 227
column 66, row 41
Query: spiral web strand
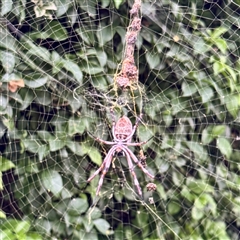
column 66, row 65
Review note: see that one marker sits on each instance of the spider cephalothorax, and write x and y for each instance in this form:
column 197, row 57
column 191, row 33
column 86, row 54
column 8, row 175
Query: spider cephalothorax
column 122, row 132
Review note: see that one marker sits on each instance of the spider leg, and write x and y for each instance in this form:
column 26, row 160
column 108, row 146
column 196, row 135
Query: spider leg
column 100, row 140
column 128, row 139
column 137, row 161
column 130, row 164
column 103, row 164
column 138, row 143
column 105, row 170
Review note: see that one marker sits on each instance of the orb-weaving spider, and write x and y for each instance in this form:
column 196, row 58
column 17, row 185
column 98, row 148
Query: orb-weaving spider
column 122, row 132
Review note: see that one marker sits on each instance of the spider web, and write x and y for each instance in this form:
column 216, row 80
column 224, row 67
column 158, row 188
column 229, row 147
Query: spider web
column 60, row 63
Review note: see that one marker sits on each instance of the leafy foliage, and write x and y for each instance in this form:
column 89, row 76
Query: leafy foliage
column 189, row 71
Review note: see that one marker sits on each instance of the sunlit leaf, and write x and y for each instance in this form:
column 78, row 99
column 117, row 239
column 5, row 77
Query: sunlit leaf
column 224, row 146
column 22, row 227
column 221, row 44
column 8, row 61
column 5, row 164
column 2, row 215
column 36, row 81
column 102, row 226
column 56, row 144
column 118, row 3
column 188, row 88
column 6, row 6
column 52, row 181
column 74, row 69
column 206, row 94
column 77, row 206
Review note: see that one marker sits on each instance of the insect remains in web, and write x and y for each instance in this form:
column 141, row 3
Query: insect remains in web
column 122, row 132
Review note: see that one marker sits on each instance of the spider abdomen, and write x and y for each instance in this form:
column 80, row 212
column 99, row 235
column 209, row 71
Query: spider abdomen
column 123, row 128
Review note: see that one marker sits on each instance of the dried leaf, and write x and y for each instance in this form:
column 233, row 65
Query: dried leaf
column 15, row 84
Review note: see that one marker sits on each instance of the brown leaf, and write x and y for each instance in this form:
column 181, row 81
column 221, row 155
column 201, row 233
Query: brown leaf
column 15, row 84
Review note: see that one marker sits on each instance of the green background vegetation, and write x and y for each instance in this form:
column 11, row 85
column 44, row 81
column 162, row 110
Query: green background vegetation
column 188, row 58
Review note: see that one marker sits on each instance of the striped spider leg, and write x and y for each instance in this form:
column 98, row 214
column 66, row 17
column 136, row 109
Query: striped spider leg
column 122, row 132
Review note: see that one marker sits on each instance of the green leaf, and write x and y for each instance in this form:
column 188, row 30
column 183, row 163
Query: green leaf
column 105, row 34
column 178, row 104
column 62, row 7
column 33, row 236
column 100, row 82
column 56, row 31
column 105, row 3
column 40, row 52
column 96, row 213
column 198, row 186
column 200, row 46
column 188, row 88
column 93, row 153
column 3, row 102
column 232, row 72
column 173, row 207
column 56, row 144
column 167, row 118
column 1, row 181
column 52, row 181
column 87, row 36
column 197, row 213
column 35, row 81
column 6, row 6
column 218, row 32
column 76, row 125
column 153, row 59
column 2, row 215
column 232, row 105
column 224, row 147
column 43, row 151
column 22, row 227
column 206, row 94
column 75, row 147
column 9, row 123
column 74, row 69
column 5, row 164
column 218, row 130
column 117, row 3
column 102, row 58
column 45, row 135
column 218, row 67
column 102, row 226
column 206, row 136
column 92, row 69
column 7, row 41
column 186, row 193
column 197, row 149
column 27, row 95
column 8, row 61
column 43, row 97
column 221, row 44
column 32, row 145
column 90, row 8
column 77, row 206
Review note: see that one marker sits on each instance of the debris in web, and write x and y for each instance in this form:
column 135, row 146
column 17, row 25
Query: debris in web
column 129, row 71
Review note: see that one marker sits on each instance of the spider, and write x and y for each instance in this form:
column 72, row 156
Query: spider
column 122, row 132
